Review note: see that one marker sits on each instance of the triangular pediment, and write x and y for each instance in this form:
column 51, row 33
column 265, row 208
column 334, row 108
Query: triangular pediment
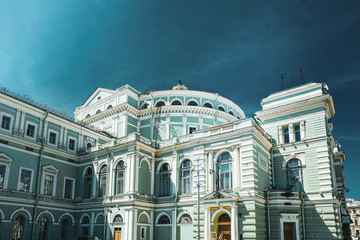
column 5, row 159
column 50, row 169
column 98, row 95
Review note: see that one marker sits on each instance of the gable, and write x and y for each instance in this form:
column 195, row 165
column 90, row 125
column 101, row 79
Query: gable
column 98, row 95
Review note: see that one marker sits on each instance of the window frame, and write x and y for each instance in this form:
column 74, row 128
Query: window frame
column 219, row 164
column 2, row 115
column 167, row 181
column 85, row 183
column 27, row 128
column 100, row 180
column 142, row 232
column 56, row 138
column 6, row 162
column 119, row 169
column 72, row 195
column 297, row 132
column 52, row 171
column 291, row 169
column 75, row 144
column 186, row 178
column 286, row 135
column 194, row 127
column 31, row 179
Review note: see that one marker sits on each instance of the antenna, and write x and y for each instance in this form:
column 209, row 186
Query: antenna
column 301, row 75
column 282, row 81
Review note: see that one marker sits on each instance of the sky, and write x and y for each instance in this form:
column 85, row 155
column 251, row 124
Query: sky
column 59, row 52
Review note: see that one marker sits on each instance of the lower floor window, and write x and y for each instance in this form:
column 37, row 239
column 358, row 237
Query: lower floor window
column 143, row 233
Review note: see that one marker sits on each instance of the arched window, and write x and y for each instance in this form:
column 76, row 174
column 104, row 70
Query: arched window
column 186, row 219
column 85, row 220
column 160, row 104
column 119, row 178
column 224, row 170
column 231, row 113
column 118, row 219
column 87, row 116
column 87, row 183
column 109, row 107
column 208, row 105
column 294, row 175
column 176, row 102
column 221, row 109
column 98, row 111
column 65, row 229
column 43, row 228
column 88, row 145
column 145, row 106
column 18, row 227
column 185, row 176
column 102, row 181
column 192, row 103
column 164, row 220
column 165, row 180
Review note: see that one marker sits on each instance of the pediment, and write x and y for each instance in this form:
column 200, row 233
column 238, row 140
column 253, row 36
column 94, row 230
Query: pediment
column 5, row 159
column 50, row 169
column 98, row 95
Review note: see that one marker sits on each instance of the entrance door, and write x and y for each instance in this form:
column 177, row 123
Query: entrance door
column 224, row 227
column 117, row 233
column 289, row 231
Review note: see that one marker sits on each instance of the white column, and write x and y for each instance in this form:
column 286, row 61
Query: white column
column 302, row 130
column 45, row 130
column 236, row 168
column 80, row 142
column 167, row 126
column 40, row 128
column 132, row 174
column 207, row 224
column 281, row 139
column 131, row 225
column 22, row 121
column 291, row 133
column 234, row 223
column 126, row 227
column 174, row 174
column 114, row 126
column 65, row 138
column 16, row 127
column 124, row 131
column 152, row 224
column 108, row 227
column 137, row 166
column 92, row 223
column 61, row 136
column 94, row 183
column 153, row 172
column 184, row 125
column 111, row 178
column 173, row 225
column 211, row 182
column 135, row 224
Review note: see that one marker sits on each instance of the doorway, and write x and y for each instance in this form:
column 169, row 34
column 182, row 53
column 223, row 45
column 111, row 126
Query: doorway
column 289, row 231
column 117, row 233
column 224, row 227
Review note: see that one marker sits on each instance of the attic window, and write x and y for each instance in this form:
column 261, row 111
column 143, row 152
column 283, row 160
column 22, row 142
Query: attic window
column 221, row 108
column 99, row 97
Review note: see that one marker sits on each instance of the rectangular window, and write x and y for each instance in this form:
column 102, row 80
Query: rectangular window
column 297, row 132
column 25, row 180
column 192, row 130
column 69, row 184
column 72, row 144
column 52, row 138
column 5, row 122
column 143, row 233
column 2, row 175
column 286, row 134
column 48, row 184
column 30, row 132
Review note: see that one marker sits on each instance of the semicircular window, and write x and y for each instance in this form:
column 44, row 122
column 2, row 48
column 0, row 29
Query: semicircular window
column 98, row 111
column 208, row 105
column 87, row 116
column 145, row 106
column 85, row 220
column 160, row 104
column 176, row 102
column 221, row 109
column 231, row 113
column 118, row 219
column 109, row 107
column 192, row 103
column 164, row 220
column 186, row 219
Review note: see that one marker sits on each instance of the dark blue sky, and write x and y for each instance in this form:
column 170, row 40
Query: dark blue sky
column 58, row 52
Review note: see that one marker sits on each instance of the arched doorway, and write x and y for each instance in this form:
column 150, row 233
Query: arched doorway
column 223, row 227
column 65, row 229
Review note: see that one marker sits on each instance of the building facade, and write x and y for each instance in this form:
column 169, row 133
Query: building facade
column 353, row 208
column 174, row 164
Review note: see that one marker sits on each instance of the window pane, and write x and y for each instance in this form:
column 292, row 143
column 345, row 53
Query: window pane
column 52, row 139
column 2, row 176
column 48, row 184
column 297, row 132
column 30, row 130
column 286, row 134
column 68, row 188
column 25, row 179
column 5, row 123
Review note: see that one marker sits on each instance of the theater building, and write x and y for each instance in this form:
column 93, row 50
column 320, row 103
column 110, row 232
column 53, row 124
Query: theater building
column 174, row 164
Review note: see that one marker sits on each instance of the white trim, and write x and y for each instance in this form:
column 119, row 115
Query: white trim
column 73, row 187
column 147, row 161
column 146, row 214
column 292, row 218
column 217, row 212
column 31, row 178
column 6, row 161
column 294, row 156
column 218, row 153
column 162, row 163
column 81, row 218
column 27, row 123
column 46, row 212
column 113, row 216
column 212, row 105
column 85, row 170
column 176, row 99
column 56, row 138
column 181, row 214
column 21, row 209
column 192, row 100
column 49, row 170
column 67, row 214
column 2, row 215
column 2, row 114
column 161, row 214
column 98, row 216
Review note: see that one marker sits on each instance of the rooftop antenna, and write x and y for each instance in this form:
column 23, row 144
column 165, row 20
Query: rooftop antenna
column 301, row 75
column 282, row 81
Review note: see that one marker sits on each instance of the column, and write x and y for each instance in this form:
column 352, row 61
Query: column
column 135, row 225
column 124, row 130
column 153, row 172
column 22, row 122
column 132, row 170
column 207, row 224
column 17, row 120
column 234, row 223
column 111, row 177
column 291, row 133
column 45, row 130
column 211, row 180
column 152, row 224
column 174, row 175
column 131, row 225
column 65, row 138
column 236, row 168
column 281, row 139
column 61, row 136
column 92, row 220
column 137, row 166
column 173, row 220
column 94, row 181
column 108, row 227
column 302, row 130
column 126, row 224
column 40, row 128
column 167, row 126
column 80, row 142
